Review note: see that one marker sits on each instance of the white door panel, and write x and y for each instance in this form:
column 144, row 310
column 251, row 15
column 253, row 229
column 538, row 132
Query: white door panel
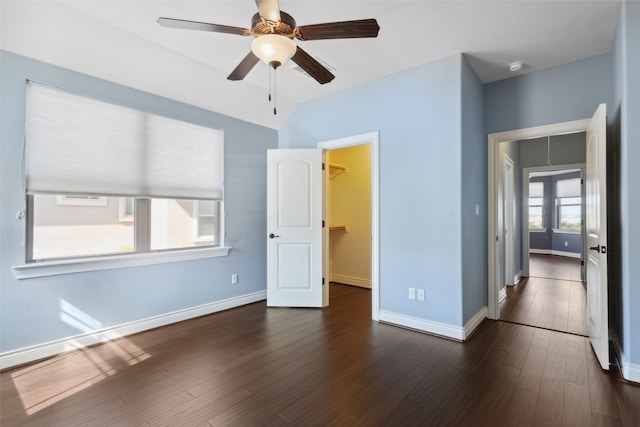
column 294, row 228
column 294, row 266
column 596, row 231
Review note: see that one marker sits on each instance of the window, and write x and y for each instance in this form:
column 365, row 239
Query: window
column 569, row 204
column 103, row 179
column 73, row 230
column 183, row 223
column 205, row 213
column 536, row 206
column 126, row 209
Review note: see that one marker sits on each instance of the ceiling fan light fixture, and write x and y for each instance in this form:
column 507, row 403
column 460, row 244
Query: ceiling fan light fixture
column 273, row 49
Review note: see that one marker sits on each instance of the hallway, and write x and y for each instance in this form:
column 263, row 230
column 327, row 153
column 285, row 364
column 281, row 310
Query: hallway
column 553, row 297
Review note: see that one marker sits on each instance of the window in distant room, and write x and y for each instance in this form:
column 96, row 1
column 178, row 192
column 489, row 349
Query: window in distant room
column 536, row 206
column 569, row 204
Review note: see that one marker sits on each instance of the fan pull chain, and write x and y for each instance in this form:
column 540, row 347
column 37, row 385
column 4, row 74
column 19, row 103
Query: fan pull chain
column 269, row 84
column 274, row 92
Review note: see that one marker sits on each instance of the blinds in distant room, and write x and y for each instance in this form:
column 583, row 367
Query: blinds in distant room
column 569, row 187
column 78, row 145
column 536, row 189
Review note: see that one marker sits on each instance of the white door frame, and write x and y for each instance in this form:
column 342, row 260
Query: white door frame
column 508, row 218
column 373, row 139
column 494, row 173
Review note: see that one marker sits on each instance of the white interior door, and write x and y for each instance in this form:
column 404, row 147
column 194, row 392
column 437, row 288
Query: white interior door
column 294, row 228
column 596, row 231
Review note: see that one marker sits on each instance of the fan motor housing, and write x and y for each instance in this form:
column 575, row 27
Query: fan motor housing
column 285, row 27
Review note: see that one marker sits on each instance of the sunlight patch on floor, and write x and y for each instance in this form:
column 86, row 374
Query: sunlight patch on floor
column 48, row 382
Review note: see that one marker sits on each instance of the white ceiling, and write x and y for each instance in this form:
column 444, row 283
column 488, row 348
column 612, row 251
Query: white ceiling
column 120, row 41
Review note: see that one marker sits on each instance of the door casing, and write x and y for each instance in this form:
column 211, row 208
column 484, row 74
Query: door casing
column 494, row 170
column 373, row 139
column 508, row 217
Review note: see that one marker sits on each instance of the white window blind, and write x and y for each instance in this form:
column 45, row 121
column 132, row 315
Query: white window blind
column 568, row 188
column 536, row 189
column 78, row 145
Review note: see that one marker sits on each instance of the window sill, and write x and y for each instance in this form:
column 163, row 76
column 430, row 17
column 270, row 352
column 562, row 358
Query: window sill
column 80, row 265
column 559, row 230
column 537, row 230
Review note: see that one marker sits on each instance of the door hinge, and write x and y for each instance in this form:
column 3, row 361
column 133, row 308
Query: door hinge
column 323, row 280
column 323, row 223
column 581, row 181
column 323, row 166
column 581, row 262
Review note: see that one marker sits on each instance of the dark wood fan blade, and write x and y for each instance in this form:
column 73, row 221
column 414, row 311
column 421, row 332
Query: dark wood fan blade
column 202, row 26
column 269, row 10
column 312, row 67
column 244, row 67
column 339, row 30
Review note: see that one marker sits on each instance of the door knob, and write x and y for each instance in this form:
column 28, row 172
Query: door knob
column 271, row 236
column 595, row 248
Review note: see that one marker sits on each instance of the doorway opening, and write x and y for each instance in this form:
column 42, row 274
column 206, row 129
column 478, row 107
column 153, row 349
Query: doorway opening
column 540, row 232
column 517, row 145
column 552, row 294
column 351, row 241
column 553, row 235
column 595, row 235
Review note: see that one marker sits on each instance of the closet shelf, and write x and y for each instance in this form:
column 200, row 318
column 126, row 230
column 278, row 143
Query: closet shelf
column 336, row 169
column 337, row 228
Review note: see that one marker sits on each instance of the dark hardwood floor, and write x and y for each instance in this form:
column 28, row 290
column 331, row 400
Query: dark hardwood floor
column 258, row 366
column 553, row 297
column 554, row 267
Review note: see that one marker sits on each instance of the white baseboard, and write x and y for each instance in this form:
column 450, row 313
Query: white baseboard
column 437, row 328
column 502, row 295
column 630, row 371
column 349, row 280
column 475, row 321
column 516, row 279
column 554, row 252
column 51, row 348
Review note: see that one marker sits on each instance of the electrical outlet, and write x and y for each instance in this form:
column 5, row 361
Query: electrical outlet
column 234, row 279
column 412, row 293
column 420, row 294
column 566, row 243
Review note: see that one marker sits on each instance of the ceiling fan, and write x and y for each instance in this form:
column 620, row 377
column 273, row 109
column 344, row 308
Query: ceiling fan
column 274, row 31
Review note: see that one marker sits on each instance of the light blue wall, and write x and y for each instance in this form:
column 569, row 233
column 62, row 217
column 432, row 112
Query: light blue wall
column 627, row 103
column 30, row 309
column 473, row 192
column 418, row 115
column 559, row 94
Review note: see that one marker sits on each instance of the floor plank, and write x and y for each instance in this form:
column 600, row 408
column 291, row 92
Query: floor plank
column 553, row 297
column 335, row 366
